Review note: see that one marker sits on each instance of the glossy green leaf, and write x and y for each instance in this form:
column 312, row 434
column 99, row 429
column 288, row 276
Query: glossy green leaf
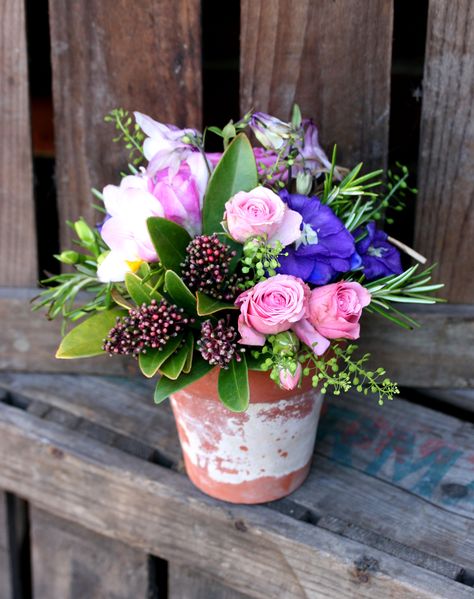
column 140, row 292
column 236, row 171
column 86, row 340
column 179, row 293
column 233, row 386
column 208, row 305
column 189, row 360
column 120, row 300
column 166, row 387
column 174, row 365
column 170, row 241
column 151, row 361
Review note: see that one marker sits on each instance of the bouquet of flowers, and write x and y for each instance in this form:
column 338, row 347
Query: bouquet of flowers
column 261, row 257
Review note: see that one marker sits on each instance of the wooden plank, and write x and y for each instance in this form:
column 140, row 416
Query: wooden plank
column 70, row 561
column 30, row 342
column 5, row 573
column 445, row 226
column 376, row 508
column 185, row 583
column 313, row 54
column 254, row 550
column 17, row 213
column 104, row 55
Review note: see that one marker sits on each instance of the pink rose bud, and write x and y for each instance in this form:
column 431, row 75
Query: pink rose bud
column 289, row 381
column 271, row 307
column 261, row 212
column 335, row 310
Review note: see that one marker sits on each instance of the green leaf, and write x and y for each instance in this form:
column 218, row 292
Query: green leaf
column 86, row 340
column 170, row 241
column 140, row 292
column 166, row 387
column 174, row 365
column 208, row 305
column 233, row 386
column 236, row 171
column 151, row 361
column 120, row 300
column 180, row 293
column 189, row 360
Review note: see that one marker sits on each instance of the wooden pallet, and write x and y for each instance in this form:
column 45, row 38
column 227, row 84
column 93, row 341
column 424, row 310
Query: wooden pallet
column 388, row 510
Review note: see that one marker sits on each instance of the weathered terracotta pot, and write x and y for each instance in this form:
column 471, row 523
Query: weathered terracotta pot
column 260, row 455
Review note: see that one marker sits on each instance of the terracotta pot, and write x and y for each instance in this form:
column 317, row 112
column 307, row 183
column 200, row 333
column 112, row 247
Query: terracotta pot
column 260, row 455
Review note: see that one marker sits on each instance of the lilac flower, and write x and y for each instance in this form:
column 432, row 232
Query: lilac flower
column 166, row 145
column 325, row 248
column 270, row 131
column 313, row 155
column 379, row 257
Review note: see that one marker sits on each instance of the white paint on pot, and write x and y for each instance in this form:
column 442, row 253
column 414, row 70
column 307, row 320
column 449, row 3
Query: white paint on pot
column 269, row 439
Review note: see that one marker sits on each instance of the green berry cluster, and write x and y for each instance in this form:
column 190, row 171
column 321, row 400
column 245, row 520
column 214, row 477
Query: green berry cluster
column 259, row 260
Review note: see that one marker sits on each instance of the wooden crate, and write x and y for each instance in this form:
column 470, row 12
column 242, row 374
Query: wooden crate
column 388, row 510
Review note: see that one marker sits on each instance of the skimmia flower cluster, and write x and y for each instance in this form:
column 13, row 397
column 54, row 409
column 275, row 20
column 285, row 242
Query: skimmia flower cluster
column 260, row 257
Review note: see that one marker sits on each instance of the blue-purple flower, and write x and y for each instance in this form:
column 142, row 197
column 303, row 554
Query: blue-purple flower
column 325, row 249
column 379, row 257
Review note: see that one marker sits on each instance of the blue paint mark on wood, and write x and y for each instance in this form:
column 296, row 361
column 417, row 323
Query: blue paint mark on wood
column 417, row 460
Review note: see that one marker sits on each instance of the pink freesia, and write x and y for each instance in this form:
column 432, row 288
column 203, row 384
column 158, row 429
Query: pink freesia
column 314, row 156
column 288, row 380
column 334, row 310
column 261, row 212
column 176, row 196
column 272, row 306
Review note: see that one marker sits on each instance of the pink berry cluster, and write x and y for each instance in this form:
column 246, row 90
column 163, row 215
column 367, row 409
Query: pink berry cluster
column 147, row 327
column 206, row 268
column 218, row 343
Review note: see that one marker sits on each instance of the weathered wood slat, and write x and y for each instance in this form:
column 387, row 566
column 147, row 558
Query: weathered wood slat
column 289, row 54
column 444, row 221
column 105, row 55
column 30, row 342
column 5, row 572
column 70, row 561
column 256, row 551
column 185, row 583
column 346, row 451
column 18, row 265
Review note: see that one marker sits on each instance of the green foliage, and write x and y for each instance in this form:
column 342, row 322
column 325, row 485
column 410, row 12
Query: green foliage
column 174, row 365
column 259, row 260
column 236, row 171
column 152, row 360
column 189, row 341
column 127, row 132
column 166, row 387
column 410, row 287
column 208, row 305
column 233, row 386
column 140, row 292
column 180, row 293
column 170, row 241
column 61, row 291
column 86, row 340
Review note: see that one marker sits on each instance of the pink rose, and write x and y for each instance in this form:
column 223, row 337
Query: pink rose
column 261, row 212
column 335, row 310
column 289, row 381
column 271, row 307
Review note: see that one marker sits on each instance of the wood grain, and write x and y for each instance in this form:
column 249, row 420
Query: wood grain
column 256, row 551
column 444, row 218
column 359, row 447
column 331, row 57
column 185, row 583
column 70, row 561
column 5, row 573
column 18, row 265
column 106, row 55
column 29, row 342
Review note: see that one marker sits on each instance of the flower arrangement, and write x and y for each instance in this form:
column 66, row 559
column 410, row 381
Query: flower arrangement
column 261, row 257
